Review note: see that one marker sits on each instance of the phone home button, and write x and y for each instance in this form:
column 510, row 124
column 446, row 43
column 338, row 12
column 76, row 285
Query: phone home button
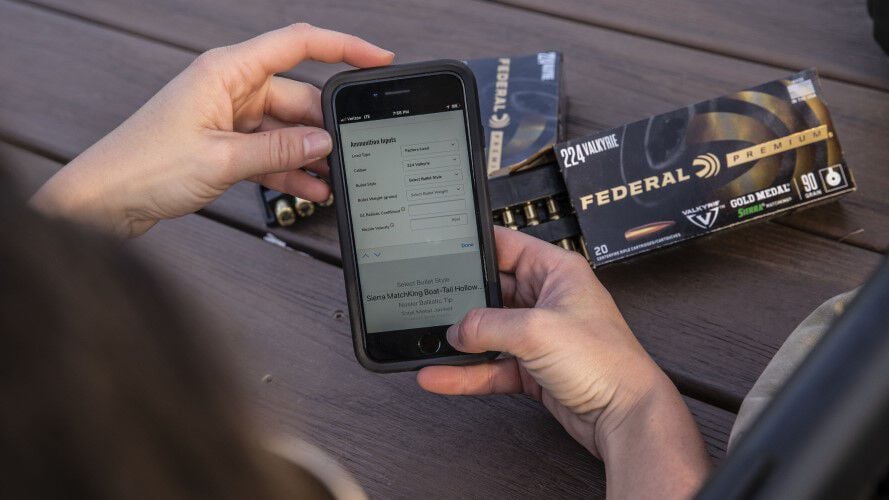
column 429, row 344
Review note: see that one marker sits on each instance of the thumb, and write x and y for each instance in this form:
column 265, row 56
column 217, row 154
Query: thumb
column 506, row 330
column 276, row 150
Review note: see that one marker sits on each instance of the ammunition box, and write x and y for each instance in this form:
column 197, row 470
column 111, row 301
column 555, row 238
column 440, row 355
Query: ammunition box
column 521, row 105
column 704, row 168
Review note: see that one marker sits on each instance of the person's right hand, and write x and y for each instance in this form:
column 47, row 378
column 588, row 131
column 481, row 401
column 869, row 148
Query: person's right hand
column 574, row 352
column 226, row 118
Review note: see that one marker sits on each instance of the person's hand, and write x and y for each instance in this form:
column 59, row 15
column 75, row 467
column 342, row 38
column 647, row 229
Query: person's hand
column 574, row 352
column 226, row 118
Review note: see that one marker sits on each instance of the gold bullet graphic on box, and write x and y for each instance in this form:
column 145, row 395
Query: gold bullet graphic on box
column 647, row 230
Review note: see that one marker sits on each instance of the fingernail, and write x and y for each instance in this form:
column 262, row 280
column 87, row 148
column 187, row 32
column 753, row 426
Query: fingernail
column 451, row 334
column 392, row 54
column 316, row 145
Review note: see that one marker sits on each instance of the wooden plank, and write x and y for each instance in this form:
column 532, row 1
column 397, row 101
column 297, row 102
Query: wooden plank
column 291, row 345
column 832, row 36
column 715, row 425
column 714, row 312
column 316, row 235
column 395, row 438
column 835, row 37
column 611, row 78
column 26, row 169
column 711, row 339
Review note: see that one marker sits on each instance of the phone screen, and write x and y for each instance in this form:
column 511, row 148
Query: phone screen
column 405, row 152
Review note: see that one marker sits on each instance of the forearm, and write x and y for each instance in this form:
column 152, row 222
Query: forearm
column 106, row 184
column 656, row 450
column 76, row 195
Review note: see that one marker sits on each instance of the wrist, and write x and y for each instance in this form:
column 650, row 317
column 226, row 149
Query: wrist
column 71, row 194
column 653, row 444
column 638, row 397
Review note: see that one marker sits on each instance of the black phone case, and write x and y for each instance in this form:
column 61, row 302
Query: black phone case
column 344, row 222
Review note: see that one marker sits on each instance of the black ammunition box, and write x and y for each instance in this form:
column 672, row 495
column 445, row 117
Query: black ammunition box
column 521, row 102
column 703, row 168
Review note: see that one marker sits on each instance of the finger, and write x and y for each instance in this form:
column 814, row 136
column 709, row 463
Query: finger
column 506, row 330
column 538, row 266
column 280, row 50
column 514, row 247
column 508, row 291
column 272, row 123
column 273, row 151
column 298, row 183
column 497, row 377
column 320, row 167
column 294, row 102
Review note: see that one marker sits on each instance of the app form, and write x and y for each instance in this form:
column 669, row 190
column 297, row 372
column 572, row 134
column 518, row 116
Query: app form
column 413, row 220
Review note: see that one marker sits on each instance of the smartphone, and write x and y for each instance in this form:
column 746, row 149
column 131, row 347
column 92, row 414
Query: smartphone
column 408, row 176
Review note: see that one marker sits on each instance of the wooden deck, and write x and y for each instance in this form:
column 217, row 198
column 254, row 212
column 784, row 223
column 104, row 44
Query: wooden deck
column 711, row 313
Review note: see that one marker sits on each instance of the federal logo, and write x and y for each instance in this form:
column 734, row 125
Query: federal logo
column 709, row 165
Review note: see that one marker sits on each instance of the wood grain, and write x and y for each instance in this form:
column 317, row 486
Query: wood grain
column 611, row 78
column 835, row 37
column 709, row 329
column 27, row 170
column 398, row 441
column 291, row 345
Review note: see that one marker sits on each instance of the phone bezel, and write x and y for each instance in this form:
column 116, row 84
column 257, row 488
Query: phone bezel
column 402, row 339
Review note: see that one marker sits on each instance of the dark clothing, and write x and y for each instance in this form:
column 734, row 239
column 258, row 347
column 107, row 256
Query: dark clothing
column 879, row 11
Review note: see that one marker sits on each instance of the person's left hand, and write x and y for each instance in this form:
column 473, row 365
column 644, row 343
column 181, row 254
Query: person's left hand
column 226, row 118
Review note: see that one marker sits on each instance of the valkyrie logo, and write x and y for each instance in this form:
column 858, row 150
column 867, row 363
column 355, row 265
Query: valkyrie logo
column 709, row 164
column 703, row 216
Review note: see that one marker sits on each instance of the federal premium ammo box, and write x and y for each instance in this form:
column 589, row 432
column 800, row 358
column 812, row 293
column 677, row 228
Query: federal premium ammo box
column 703, row 168
column 520, row 98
